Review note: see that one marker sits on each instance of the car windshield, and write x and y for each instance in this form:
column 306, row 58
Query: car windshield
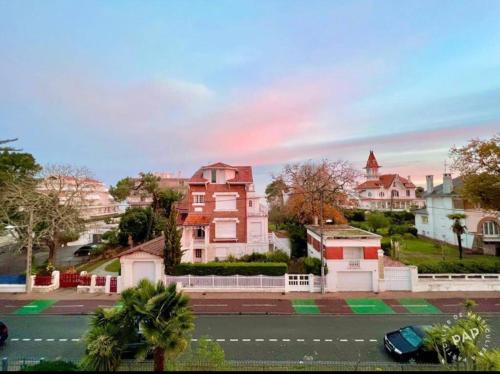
column 411, row 336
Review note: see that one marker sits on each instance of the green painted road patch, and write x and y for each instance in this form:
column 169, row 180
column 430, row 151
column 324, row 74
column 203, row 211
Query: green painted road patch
column 35, row 307
column 305, row 306
column 419, row 306
column 369, row 306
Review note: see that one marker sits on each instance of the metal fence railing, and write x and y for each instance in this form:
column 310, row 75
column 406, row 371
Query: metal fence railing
column 306, row 366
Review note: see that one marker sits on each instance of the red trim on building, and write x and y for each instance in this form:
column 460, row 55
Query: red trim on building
column 370, row 253
column 334, row 253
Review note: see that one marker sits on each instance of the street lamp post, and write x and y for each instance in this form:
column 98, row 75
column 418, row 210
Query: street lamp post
column 322, row 251
column 29, row 252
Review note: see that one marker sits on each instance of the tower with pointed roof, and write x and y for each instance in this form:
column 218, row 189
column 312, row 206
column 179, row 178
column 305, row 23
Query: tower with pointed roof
column 372, row 167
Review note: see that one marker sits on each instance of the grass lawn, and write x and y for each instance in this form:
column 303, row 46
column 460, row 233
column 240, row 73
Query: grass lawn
column 418, row 250
column 113, row 266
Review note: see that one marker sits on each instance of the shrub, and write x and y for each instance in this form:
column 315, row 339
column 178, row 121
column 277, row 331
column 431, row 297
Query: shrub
column 408, row 236
column 253, row 257
column 52, row 366
column 298, row 239
column 460, row 266
column 403, row 229
column 97, row 250
column 277, row 256
column 232, row 268
column 230, row 258
column 385, row 243
column 376, row 220
column 354, row 215
column 312, row 265
column 111, row 237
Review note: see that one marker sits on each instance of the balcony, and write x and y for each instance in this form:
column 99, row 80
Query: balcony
column 354, row 264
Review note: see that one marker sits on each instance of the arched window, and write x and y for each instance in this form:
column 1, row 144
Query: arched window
column 491, row 228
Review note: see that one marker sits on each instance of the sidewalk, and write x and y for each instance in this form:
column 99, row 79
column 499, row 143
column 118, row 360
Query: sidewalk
column 71, row 294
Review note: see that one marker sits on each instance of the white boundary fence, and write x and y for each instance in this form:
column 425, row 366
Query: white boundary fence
column 457, row 282
column 398, row 278
column 258, row 283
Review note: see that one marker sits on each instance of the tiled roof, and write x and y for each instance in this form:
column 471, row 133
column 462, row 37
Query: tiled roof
column 243, row 173
column 341, row 231
column 194, row 219
column 372, row 163
column 385, row 181
column 154, row 247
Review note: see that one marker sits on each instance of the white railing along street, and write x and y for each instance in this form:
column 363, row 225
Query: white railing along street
column 457, row 277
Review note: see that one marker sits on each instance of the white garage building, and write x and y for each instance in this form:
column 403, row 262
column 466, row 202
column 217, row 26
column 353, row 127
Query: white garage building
column 143, row 261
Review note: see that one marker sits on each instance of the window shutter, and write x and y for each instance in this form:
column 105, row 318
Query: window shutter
column 225, row 230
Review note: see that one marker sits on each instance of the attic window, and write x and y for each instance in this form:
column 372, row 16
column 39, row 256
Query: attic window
column 214, row 176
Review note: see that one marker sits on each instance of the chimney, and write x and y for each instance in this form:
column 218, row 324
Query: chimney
column 447, row 183
column 409, row 178
column 430, row 183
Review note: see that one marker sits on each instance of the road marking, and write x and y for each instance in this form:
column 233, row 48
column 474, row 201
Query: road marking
column 373, row 340
column 328, row 340
column 273, row 340
column 285, row 340
column 246, row 340
column 359, row 340
column 221, row 340
column 210, row 305
column 63, row 340
column 194, row 340
column 234, row 340
column 14, row 340
column 343, row 340
column 259, row 340
column 50, row 340
column 26, row 340
column 317, row 340
column 37, row 340
column 300, row 340
column 208, row 340
column 75, row 340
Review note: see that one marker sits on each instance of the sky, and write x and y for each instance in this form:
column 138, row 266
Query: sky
column 127, row 86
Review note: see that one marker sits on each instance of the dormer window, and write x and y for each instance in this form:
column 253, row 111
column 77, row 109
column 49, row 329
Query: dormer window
column 214, row 175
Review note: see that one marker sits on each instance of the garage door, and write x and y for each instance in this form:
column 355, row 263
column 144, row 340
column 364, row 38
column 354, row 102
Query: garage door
column 354, row 281
column 144, row 269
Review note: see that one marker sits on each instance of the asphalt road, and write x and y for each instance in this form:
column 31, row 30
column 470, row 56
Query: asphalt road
column 320, row 337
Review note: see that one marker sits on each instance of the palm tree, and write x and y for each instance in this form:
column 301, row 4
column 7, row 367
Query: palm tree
column 489, row 360
column 163, row 318
column 458, row 229
column 436, row 339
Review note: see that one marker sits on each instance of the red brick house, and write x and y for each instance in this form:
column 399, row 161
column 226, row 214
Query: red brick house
column 221, row 214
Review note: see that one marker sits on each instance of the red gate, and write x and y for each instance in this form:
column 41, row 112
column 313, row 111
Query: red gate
column 100, row 281
column 69, row 280
column 113, row 286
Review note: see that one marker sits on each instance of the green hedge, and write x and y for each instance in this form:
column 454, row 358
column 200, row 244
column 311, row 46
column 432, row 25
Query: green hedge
column 460, row 266
column 232, row 268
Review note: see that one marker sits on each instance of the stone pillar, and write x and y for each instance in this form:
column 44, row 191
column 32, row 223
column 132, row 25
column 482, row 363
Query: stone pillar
column 311, row 282
column 107, row 285
column 380, row 254
column 92, row 283
column 286, row 282
column 56, row 279
column 414, row 278
column 119, row 285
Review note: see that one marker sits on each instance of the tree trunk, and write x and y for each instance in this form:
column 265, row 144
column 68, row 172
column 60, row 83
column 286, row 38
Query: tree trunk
column 159, row 359
column 460, row 249
column 52, row 250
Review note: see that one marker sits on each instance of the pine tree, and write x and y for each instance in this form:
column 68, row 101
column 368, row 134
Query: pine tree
column 172, row 252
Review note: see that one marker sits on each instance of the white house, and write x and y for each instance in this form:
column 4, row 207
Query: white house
column 483, row 227
column 353, row 257
column 386, row 191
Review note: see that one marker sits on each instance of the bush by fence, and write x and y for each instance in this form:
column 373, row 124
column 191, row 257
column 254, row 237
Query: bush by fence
column 232, row 268
column 460, row 266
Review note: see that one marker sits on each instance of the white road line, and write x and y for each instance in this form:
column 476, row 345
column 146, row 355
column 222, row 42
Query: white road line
column 194, row 340
column 246, row 340
column 316, row 340
column 328, row 340
column 300, row 340
column 50, row 340
column 26, row 340
column 75, row 340
column 14, row 340
column 259, row 340
column 273, row 340
column 285, row 340
column 373, row 340
column 221, row 340
column 208, row 340
column 234, row 340
column 37, row 340
column 359, row 340
column 63, row 340
column 343, row 340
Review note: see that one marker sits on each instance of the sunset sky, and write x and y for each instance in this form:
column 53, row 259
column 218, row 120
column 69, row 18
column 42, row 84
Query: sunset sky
column 129, row 86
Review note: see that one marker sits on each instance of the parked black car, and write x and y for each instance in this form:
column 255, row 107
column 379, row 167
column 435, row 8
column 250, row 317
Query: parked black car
column 84, row 250
column 4, row 333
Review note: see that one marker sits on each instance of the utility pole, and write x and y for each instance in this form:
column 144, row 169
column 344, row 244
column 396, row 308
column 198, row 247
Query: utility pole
column 321, row 244
column 29, row 252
